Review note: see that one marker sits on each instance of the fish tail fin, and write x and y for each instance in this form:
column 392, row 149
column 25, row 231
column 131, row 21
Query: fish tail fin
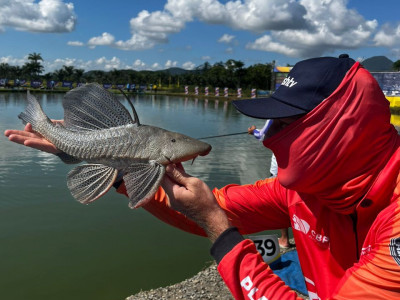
column 33, row 113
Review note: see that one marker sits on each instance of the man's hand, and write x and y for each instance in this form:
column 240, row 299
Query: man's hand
column 32, row 139
column 193, row 198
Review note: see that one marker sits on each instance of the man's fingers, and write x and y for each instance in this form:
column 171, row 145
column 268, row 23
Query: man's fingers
column 16, row 138
column 28, row 127
column 42, row 145
column 177, row 174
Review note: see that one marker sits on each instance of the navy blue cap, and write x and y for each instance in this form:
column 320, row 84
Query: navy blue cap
column 306, row 86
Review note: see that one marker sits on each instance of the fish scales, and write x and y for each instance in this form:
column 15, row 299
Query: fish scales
column 99, row 130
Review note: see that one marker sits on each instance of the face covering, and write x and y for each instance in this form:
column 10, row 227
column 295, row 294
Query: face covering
column 336, row 151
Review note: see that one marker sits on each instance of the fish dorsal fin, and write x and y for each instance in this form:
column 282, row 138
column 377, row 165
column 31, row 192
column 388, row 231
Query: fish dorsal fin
column 91, row 107
column 142, row 181
column 89, row 182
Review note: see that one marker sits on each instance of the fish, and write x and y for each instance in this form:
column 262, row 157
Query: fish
column 112, row 144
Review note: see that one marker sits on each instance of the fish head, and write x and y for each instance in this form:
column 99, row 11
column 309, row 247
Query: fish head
column 177, row 147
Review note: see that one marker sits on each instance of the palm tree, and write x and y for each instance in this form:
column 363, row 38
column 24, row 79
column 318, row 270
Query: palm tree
column 34, row 67
column 35, row 57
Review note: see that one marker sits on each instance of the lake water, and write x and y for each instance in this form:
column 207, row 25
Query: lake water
column 52, row 247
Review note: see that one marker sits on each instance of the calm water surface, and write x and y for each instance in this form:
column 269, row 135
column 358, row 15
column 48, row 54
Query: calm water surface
column 53, row 247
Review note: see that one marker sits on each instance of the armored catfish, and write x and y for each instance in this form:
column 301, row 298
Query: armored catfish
column 99, row 130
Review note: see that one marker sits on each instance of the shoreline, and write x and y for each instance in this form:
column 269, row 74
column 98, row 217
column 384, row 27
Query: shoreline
column 205, row 285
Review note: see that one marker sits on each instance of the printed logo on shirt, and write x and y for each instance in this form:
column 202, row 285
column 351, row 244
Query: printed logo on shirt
column 394, row 247
column 300, row 224
column 366, row 250
column 304, row 227
column 247, row 284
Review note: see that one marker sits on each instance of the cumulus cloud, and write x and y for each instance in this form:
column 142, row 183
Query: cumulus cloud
column 170, row 64
column 388, row 36
column 301, row 28
column 139, row 65
column 105, row 39
column 41, row 16
column 12, row 61
column 226, row 38
column 152, row 28
column 101, row 63
column 331, row 26
column 188, row 65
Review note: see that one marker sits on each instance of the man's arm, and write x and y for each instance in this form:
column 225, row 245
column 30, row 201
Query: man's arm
column 239, row 263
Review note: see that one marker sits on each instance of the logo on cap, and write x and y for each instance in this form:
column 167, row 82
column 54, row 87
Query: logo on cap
column 289, row 82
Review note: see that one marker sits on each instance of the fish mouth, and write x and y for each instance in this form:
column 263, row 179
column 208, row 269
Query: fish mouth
column 189, row 157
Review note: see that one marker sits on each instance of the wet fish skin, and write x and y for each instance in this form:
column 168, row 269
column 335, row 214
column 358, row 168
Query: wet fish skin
column 100, row 131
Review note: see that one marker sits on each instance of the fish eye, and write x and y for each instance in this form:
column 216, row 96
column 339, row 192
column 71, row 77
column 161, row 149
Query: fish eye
column 173, row 140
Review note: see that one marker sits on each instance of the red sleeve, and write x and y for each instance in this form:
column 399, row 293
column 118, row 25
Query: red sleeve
column 244, row 271
column 255, row 207
column 251, row 208
column 159, row 208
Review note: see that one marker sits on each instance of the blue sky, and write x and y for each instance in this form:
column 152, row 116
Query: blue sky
column 157, row 34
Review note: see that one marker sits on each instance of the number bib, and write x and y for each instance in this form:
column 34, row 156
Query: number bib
column 268, row 247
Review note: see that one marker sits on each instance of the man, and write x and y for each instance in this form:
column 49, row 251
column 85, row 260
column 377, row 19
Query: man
column 338, row 187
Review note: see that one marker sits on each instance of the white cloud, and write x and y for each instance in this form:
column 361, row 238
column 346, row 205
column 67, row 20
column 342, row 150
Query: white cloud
column 388, row 36
column 75, row 43
column 206, row 57
column 229, row 50
column 170, row 64
column 226, row 38
column 139, row 65
column 105, row 39
column 42, row 16
column 12, row 61
column 331, row 26
column 301, row 28
column 155, row 66
column 188, row 65
column 151, row 28
column 101, row 63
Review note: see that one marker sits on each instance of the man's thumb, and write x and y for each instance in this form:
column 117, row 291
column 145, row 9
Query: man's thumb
column 177, row 175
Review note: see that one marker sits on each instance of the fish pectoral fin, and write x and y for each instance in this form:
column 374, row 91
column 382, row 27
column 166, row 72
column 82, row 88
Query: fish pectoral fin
column 89, row 182
column 142, row 181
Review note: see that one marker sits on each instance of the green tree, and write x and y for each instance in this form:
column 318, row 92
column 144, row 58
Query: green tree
column 258, row 76
column 34, row 68
column 235, row 72
column 78, row 74
column 5, row 69
column 396, row 65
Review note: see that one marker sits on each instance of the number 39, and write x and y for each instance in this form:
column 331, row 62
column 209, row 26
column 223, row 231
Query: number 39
column 265, row 247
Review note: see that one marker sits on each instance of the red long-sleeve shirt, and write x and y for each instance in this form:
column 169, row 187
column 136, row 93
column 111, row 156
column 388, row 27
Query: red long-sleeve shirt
column 338, row 187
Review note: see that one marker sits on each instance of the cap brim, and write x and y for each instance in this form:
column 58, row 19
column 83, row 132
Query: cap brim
column 266, row 108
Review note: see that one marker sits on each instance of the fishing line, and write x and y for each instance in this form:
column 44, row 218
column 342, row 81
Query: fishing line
column 222, row 135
